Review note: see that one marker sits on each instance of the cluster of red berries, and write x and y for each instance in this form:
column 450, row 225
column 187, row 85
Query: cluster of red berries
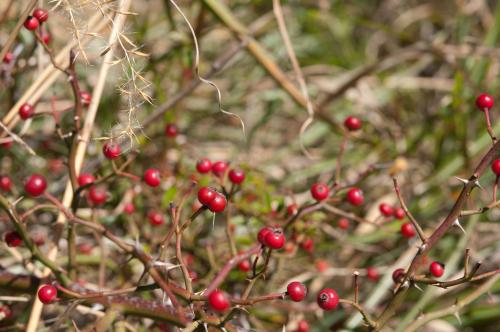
column 271, row 237
column 211, row 199
column 38, row 17
column 219, row 169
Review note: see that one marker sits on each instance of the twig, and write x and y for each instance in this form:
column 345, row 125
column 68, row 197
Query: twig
column 414, row 221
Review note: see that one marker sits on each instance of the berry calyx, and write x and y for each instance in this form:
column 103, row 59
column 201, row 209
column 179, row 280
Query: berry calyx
column 218, row 300
column 398, row 275
column 495, row 167
column 386, row 210
column 35, row 185
column 206, row 195
column 85, row 97
column 484, row 101
column 219, row 168
column 355, row 196
column 152, row 177
column 236, row 176
column 26, row 111
column 343, row 223
column 407, row 230
column 399, row 213
column 296, row 291
column 155, row 218
column 97, row 195
column 31, row 23
column 47, row 294
column 436, row 269
column 204, row 165
column 218, row 204
column 275, row 239
column 41, row 15
column 85, row 179
column 13, row 239
column 129, row 208
column 170, row 130
column 111, row 150
column 372, row 273
column 327, row 299
column 261, row 236
column 352, row 123
column 319, row 191
column 5, row 183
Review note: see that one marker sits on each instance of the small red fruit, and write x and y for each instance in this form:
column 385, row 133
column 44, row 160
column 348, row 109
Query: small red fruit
column 206, row 195
column 495, row 167
column 292, row 210
column 85, row 248
column 5, row 183
column 398, row 275
column 170, row 130
column 327, row 299
column 85, row 179
column 41, row 15
column 129, row 208
column 236, row 176
column 85, row 97
column 352, row 123
column 245, row 265
column 399, row 213
column 372, row 273
column 47, row 293
column 26, row 111
column 343, row 223
column 296, row 291
column 319, row 191
column 386, row 210
column 5, row 312
column 218, row 300
column 152, row 177
column 13, row 239
column 218, row 204
column 31, row 23
column 155, row 218
column 35, row 185
column 111, row 150
column 307, row 245
column 219, row 168
column 204, row 165
column 407, row 230
column 261, row 236
column 303, row 326
column 355, row 196
column 8, row 57
column 436, row 269
column 46, row 37
column 275, row 239
column 97, row 195
column 321, row 265
column 484, row 101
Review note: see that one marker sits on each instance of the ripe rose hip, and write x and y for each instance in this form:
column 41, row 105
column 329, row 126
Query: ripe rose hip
column 35, row 185
column 436, row 269
column 355, row 196
column 327, row 299
column 47, row 293
column 13, row 239
column 319, row 191
column 218, row 204
column 218, row 300
column 484, row 101
column 343, row 223
column 26, row 111
column 111, row 150
column 219, row 168
column 399, row 213
column 296, row 291
column 5, row 183
column 386, row 210
column 303, row 326
column 85, row 179
column 275, row 239
column 85, row 97
column 495, row 166
column 245, row 265
column 41, row 15
column 261, row 236
column 97, row 195
column 206, row 195
column 398, row 275
column 372, row 273
column 170, row 130
column 155, row 218
column 352, row 123
column 236, row 176
column 31, row 23
column 152, row 177
column 203, row 165
column 129, row 208
column 407, row 230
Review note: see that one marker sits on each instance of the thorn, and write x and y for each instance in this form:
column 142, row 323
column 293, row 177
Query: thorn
column 418, row 287
column 213, row 222
column 464, row 181
column 477, row 184
column 457, row 224
column 457, row 316
column 422, row 247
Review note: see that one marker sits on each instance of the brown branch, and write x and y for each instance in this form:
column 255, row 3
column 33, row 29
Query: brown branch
column 414, row 221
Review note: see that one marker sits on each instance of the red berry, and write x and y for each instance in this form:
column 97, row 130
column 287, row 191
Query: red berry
column 85, row 248
column 308, row 245
column 261, row 236
column 35, row 185
column 85, row 97
column 5, row 183
column 484, row 101
column 352, row 123
column 5, row 312
column 203, row 165
column 386, row 210
column 321, row 265
column 129, row 208
column 31, row 23
column 296, row 291
column 206, row 195
column 343, row 223
column 111, row 150
column 8, row 57
column 398, row 275
column 218, row 204
column 46, row 37
column 291, row 210
column 47, row 294
column 85, row 179
column 275, row 239
column 152, row 177
column 372, row 273
column 436, row 269
column 26, row 111
column 7, row 144
column 13, row 239
column 495, row 166
column 155, row 218
column 245, row 265
column 407, row 230
column 302, row 326
column 355, row 196
column 328, row 299
column 399, row 213
column 41, row 15
column 319, row 191
column 97, row 195
column 170, row 130
column 219, row 168
column 236, row 176
column 218, row 300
